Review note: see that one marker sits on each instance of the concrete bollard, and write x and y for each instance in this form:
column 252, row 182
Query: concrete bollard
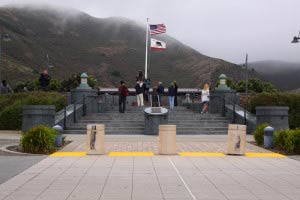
column 95, row 139
column 268, row 137
column 236, row 139
column 58, row 139
column 167, row 140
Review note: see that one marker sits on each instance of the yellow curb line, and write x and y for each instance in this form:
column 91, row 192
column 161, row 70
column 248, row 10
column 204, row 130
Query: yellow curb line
column 265, row 155
column 68, row 154
column 131, row 154
column 202, row 154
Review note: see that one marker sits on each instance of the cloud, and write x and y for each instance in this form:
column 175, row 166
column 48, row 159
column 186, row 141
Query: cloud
column 226, row 29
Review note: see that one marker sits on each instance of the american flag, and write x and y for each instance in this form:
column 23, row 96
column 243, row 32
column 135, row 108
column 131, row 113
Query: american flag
column 157, row 29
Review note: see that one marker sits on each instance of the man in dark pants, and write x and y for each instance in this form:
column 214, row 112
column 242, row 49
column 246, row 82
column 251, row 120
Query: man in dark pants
column 123, row 93
column 176, row 90
column 160, row 92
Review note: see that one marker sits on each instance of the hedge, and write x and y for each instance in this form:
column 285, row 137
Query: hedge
column 288, row 141
column 40, row 139
column 11, row 106
column 292, row 100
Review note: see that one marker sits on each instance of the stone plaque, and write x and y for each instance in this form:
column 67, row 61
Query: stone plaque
column 156, row 110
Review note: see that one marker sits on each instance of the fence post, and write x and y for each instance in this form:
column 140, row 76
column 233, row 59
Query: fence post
column 83, row 106
column 74, row 112
column 245, row 116
column 233, row 110
column 65, row 118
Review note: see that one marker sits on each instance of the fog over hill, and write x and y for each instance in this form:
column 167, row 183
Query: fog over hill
column 108, row 48
column 284, row 75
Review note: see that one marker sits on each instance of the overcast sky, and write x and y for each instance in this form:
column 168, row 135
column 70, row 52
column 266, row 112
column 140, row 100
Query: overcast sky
column 226, row 29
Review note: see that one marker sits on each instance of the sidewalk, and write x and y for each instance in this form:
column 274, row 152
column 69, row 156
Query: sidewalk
column 156, row 177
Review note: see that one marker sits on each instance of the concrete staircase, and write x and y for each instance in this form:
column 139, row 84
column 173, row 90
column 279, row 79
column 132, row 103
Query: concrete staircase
column 132, row 122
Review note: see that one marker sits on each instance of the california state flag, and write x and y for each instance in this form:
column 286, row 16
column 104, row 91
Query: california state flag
column 157, row 45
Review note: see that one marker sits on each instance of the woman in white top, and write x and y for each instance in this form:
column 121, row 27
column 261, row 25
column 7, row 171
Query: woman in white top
column 205, row 98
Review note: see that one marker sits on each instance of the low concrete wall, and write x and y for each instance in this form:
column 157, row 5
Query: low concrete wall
column 276, row 116
column 34, row 115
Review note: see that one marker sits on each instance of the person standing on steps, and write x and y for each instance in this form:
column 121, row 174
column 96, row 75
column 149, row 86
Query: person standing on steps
column 205, row 98
column 171, row 92
column 155, row 98
column 160, row 91
column 147, row 86
column 139, row 93
column 176, row 90
column 123, row 93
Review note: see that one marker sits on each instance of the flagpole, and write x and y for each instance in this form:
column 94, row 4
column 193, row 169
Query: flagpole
column 146, row 56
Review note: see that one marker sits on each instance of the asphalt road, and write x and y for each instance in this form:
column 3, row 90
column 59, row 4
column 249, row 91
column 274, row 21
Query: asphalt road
column 11, row 165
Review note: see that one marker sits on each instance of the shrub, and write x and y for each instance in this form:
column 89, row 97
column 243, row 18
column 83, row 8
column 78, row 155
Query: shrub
column 40, row 139
column 11, row 106
column 292, row 100
column 259, row 134
column 288, row 140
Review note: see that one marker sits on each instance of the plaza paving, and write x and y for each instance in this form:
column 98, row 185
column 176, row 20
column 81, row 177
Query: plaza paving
column 156, row 177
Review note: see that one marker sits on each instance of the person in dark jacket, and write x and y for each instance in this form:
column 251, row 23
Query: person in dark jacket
column 172, row 93
column 123, row 93
column 176, row 90
column 45, row 80
column 139, row 93
column 147, row 86
column 160, row 91
column 155, row 98
column 5, row 88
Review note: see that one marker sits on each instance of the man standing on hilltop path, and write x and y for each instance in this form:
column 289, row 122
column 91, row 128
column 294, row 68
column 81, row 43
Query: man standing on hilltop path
column 45, row 80
column 123, row 93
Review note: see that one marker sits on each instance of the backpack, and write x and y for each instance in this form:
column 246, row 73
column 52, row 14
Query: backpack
column 126, row 93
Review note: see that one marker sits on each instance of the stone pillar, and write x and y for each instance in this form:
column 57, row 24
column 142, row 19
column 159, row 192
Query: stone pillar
column 275, row 116
column 155, row 116
column 218, row 99
column 35, row 115
column 167, row 140
column 95, row 139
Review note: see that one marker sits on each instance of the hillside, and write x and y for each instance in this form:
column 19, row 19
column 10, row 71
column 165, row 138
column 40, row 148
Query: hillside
column 108, row 48
column 284, row 75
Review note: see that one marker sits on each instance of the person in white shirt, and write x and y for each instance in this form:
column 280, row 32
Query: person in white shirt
column 205, row 98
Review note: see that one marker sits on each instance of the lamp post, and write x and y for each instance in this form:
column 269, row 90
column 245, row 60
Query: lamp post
column 296, row 39
column 246, row 66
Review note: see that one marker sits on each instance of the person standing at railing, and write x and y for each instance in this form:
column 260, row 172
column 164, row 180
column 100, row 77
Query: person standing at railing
column 139, row 93
column 160, row 91
column 171, row 92
column 123, row 93
column 205, row 98
column 176, row 90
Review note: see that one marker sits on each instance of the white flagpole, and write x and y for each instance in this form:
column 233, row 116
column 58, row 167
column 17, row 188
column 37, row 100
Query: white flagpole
column 146, row 56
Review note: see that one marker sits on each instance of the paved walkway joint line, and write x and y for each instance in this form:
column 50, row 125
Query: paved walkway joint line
column 181, row 178
column 202, row 154
column 140, row 154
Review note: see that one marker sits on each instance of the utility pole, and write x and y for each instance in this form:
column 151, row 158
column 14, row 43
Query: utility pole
column 246, row 65
column 1, row 34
